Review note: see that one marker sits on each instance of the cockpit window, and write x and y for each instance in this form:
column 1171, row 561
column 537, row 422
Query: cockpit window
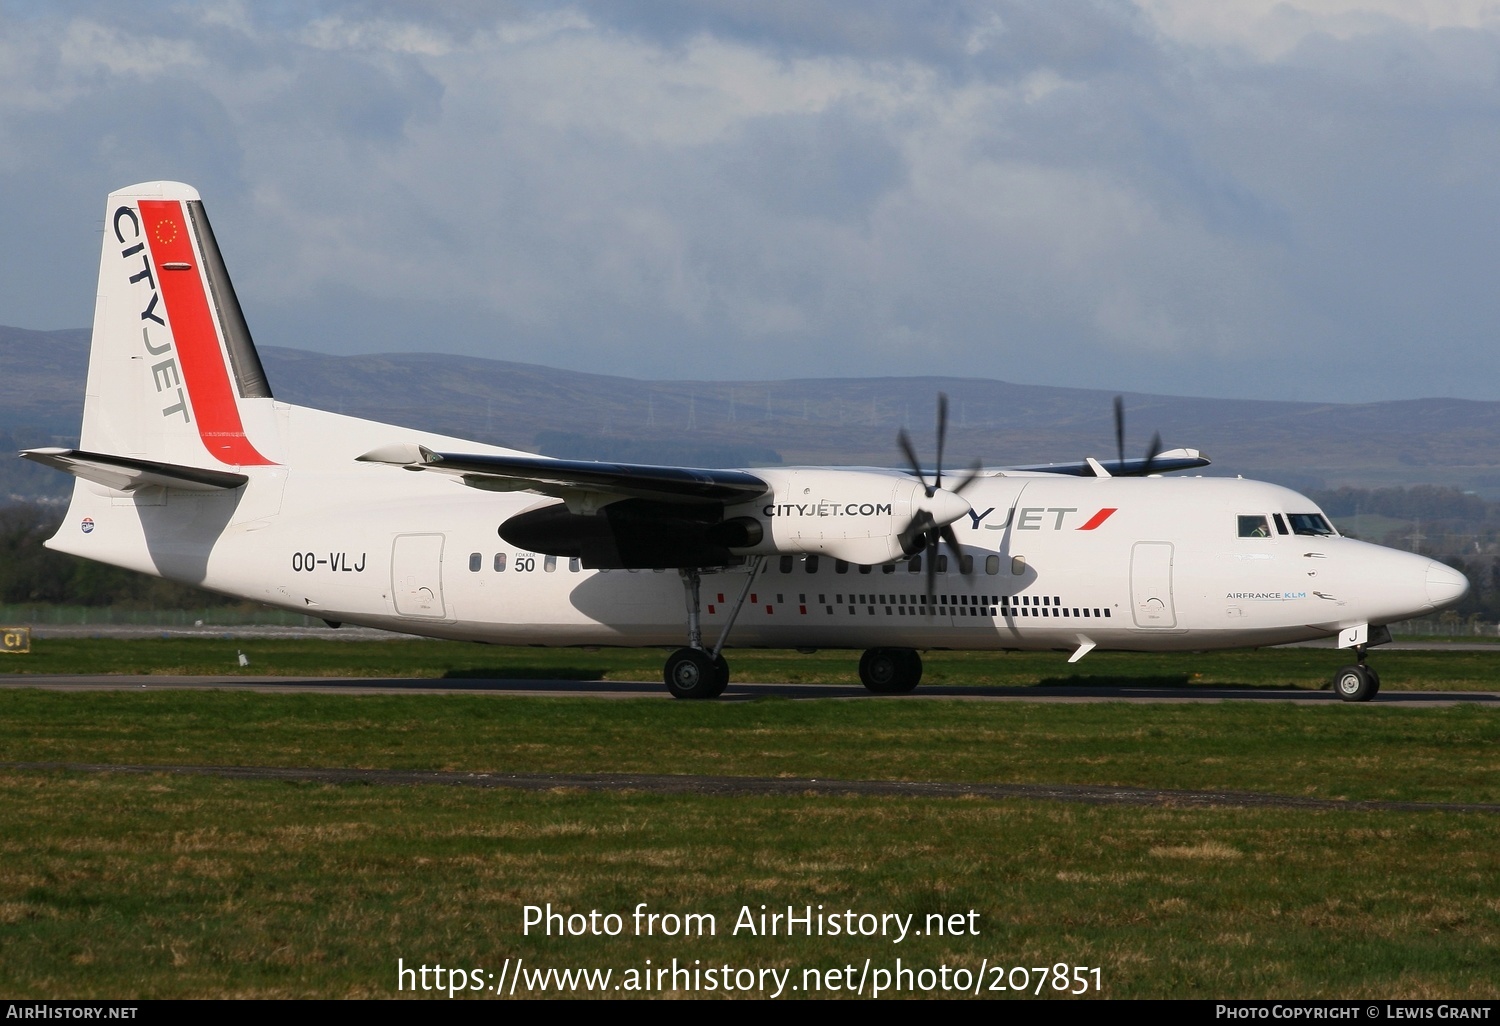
column 1314, row 524
column 1254, row 527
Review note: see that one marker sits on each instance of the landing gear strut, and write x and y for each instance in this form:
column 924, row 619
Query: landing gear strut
column 890, row 671
column 695, row 672
column 1357, row 683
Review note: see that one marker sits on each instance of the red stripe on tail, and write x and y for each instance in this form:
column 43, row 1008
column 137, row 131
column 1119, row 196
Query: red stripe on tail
column 204, row 367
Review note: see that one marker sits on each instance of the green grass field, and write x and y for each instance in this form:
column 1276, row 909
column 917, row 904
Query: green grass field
column 117, row 885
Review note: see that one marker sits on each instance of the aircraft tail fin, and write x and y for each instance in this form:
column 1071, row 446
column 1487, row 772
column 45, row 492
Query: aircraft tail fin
column 173, row 371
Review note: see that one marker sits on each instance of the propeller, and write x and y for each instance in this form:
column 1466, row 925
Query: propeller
column 923, row 531
column 1152, row 452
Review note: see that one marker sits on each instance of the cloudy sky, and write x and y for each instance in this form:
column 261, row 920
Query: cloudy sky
column 1252, row 198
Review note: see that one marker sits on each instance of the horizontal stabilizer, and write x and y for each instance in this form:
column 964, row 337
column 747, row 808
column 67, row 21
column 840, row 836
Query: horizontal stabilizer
column 126, row 475
column 567, row 478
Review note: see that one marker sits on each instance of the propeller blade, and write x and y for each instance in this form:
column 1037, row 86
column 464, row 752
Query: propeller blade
column 904, row 440
column 958, row 553
column 942, row 438
column 915, row 538
column 968, row 478
column 922, row 533
column 1151, row 454
column 1148, row 465
column 1120, row 428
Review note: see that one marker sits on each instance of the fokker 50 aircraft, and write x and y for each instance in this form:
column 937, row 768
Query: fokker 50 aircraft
column 190, row 469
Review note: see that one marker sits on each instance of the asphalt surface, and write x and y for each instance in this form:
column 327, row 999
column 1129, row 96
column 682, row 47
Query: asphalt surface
column 737, row 691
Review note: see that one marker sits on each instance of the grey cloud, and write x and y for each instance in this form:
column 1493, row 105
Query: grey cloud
column 357, row 98
column 1048, row 192
column 1000, row 39
column 833, row 164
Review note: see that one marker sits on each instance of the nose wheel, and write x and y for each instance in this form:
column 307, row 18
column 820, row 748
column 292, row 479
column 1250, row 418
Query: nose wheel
column 693, row 673
column 1358, row 683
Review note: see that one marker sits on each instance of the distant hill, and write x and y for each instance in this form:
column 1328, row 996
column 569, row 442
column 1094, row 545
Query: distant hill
column 850, row 421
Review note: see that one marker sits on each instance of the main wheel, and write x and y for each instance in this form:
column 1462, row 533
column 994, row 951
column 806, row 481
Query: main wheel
column 890, row 671
column 690, row 673
column 1356, row 684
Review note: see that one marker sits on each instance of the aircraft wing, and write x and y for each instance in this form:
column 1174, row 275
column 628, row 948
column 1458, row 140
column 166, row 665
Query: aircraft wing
column 1161, row 463
column 606, row 482
column 570, row 478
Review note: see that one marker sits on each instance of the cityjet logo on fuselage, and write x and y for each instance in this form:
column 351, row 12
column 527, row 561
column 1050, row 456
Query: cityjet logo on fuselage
column 1040, row 518
column 824, row 508
column 164, row 373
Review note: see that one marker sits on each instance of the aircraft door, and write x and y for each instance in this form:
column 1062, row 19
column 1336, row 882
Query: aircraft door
column 1151, row 584
column 417, row 575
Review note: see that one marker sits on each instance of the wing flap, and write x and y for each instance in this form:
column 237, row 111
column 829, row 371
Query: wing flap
column 125, row 474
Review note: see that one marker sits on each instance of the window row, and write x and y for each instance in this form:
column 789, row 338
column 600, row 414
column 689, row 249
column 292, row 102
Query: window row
column 811, row 564
column 787, row 564
column 522, row 563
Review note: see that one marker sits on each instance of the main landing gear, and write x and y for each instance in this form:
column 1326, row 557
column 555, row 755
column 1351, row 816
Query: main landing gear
column 1357, row 683
column 890, row 671
column 695, row 672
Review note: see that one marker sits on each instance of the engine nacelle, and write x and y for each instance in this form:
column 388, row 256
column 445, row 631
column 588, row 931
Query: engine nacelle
column 853, row 515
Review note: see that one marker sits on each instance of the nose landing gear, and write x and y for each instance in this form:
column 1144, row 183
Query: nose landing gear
column 693, row 673
column 1357, row 683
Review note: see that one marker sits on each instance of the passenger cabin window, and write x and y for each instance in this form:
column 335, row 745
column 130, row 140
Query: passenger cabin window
column 786, row 564
column 966, row 565
column 1017, row 565
column 992, row 565
column 915, row 565
column 1314, row 524
column 550, row 564
column 499, row 562
column 476, row 560
column 1254, row 527
column 840, row 566
column 812, row 564
column 574, row 565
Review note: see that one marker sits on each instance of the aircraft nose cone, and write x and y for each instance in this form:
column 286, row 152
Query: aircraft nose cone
column 945, row 506
column 1445, row 585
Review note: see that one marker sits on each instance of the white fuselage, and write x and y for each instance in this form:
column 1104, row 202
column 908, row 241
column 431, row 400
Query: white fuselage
column 1124, row 563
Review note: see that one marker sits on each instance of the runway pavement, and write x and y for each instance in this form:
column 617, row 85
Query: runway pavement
column 738, row 691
